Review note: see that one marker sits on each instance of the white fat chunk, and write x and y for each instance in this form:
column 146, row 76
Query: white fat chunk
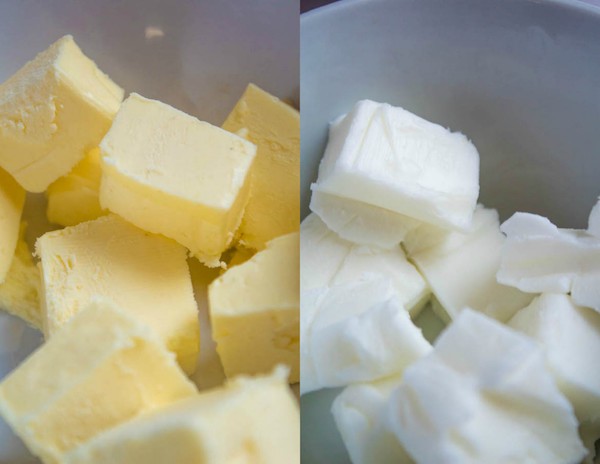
column 483, row 395
column 594, row 220
column 359, row 413
column 539, row 257
column 328, row 260
column 360, row 332
column 461, row 268
column 388, row 157
column 570, row 336
column 359, row 222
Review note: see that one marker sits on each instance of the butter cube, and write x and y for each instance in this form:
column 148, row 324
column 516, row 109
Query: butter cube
column 52, row 111
column 484, row 395
column 359, row 413
column 12, row 199
column 274, row 206
column 102, row 369
column 539, row 257
column 74, row 198
column 147, row 275
column 170, row 174
column 390, row 158
column 254, row 310
column 570, row 336
column 249, row 420
column 20, row 292
column 461, row 268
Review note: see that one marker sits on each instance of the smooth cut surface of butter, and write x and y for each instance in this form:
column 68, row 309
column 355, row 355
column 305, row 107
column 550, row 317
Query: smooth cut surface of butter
column 12, row 199
column 461, row 268
column 74, row 198
column 359, row 413
column 539, row 257
column 358, row 332
column 20, row 291
column 360, row 222
column 484, row 395
column 102, row 369
column 254, row 311
column 388, row 157
column 248, row 421
column 52, row 111
column 144, row 274
column 328, row 260
column 171, row 174
column 570, row 335
column 274, row 205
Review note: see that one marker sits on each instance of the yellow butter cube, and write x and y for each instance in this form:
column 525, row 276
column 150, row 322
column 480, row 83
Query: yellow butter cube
column 249, row 421
column 12, row 199
column 147, row 275
column 19, row 293
column 74, row 198
column 52, row 111
column 102, row 369
column 254, row 310
column 169, row 173
column 274, row 206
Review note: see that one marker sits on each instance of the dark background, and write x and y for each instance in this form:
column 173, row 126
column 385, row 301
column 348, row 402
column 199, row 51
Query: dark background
column 307, row 5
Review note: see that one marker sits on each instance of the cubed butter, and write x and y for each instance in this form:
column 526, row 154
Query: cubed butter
column 102, row 369
column 20, row 292
column 171, row 174
column 12, row 199
column 52, row 111
column 274, row 205
column 254, row 310
column 74, row 198
column 147, row 275
column 387, row 157
column 248, row 421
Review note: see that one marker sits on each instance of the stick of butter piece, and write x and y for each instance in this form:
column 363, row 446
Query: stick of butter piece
column 147, row 275
column 388, row 157
column 171, row 174
column 12, row 199
column 102, row 369
column 274, row 206
column 20, row 292
column 52, row 111
column 249, row 420
column 74, row 198
column 254, row 310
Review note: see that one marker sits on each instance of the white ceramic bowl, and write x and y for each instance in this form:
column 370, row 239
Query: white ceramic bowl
column 520, row 78
column 195, row 55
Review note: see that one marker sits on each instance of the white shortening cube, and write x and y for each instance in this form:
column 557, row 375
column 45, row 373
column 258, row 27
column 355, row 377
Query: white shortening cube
column 539, row 257
column 570, row 336
column 461, row 268
column 358, row 332
column 359, row 413
column 171, row 174
column 483, row 395
column 388, row 157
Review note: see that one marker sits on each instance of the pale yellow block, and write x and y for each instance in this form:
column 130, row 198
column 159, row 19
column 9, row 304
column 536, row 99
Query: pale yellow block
column 20, row 292
column 74, row 198
column 169, row 173
column 254, row 310
column 52, row 111
column 249, row 421
column 12, row 199
column 147, row 275
column 101, row 370
column 274, row 205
